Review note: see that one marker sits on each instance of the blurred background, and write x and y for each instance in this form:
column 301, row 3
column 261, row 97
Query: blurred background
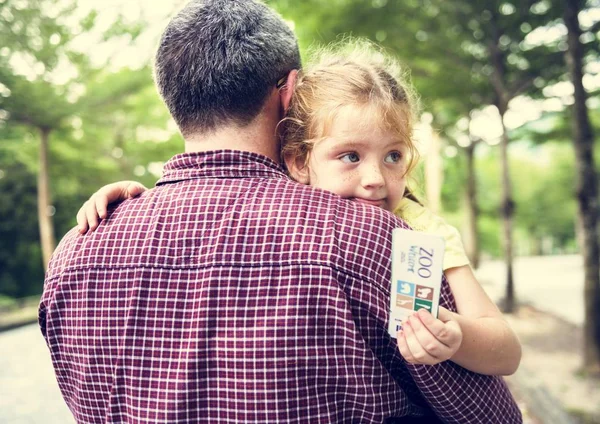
column 510, row 96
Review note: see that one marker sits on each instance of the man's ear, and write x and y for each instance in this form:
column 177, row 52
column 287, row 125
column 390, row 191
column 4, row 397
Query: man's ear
column 287, row 90
column 297, row 168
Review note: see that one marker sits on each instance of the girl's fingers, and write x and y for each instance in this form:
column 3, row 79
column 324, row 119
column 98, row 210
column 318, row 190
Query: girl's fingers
column 82, row 224
column 436, row 327
column 96, row 208
column 454, row 334
column 448, row 333
column 445, row 315
column 420, row 355
column 403, row 347
column 135, row 189
column 428, row 341
column 100, row 201
column 91, row 215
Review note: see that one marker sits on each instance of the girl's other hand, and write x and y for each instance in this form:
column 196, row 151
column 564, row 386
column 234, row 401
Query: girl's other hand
column 427, row 340
column 95, row 208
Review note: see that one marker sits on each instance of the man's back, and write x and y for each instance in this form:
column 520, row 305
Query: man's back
column 229, row 293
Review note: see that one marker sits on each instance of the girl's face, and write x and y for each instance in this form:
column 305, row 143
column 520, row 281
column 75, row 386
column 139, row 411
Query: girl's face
column 359, row 161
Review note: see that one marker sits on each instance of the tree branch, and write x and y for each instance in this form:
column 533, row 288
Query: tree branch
column 521, row 86
column 594, row 28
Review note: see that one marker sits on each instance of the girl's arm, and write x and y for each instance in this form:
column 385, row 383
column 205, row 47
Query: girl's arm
column 477, row 338
column 488, row 346
column 95, row 208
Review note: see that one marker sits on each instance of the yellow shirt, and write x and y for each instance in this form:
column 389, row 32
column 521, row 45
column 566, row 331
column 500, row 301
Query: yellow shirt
column 422, row 219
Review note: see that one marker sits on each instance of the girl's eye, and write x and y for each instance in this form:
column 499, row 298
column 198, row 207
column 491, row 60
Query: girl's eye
column 350, row 158
column 393, row 157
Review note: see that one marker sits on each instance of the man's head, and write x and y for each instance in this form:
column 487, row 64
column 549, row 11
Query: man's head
column 218, row 60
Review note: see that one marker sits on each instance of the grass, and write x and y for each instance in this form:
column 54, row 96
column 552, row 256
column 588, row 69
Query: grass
column 7, row 302
column 584, row 417
column 17, row 312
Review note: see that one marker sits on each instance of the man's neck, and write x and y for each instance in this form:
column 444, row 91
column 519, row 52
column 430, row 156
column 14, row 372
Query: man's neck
column 257, row 137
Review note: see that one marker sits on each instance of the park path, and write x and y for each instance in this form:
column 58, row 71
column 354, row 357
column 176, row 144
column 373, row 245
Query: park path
column 29, row 393
column 551, row 284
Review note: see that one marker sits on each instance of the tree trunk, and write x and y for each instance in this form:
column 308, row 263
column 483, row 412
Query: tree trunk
column 503, row 97
column 587, row 190
column 507, row 216
column 471, row 233
column 44, row 215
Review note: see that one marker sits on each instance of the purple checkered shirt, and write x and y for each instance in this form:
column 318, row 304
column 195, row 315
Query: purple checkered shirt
column 230, row 293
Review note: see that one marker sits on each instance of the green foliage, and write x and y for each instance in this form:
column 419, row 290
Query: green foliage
column 26, row 29
column 544, row 196
column 20, row 255
column 34, row 41
column 550, row 182
column 103, row 127
column 454, row 176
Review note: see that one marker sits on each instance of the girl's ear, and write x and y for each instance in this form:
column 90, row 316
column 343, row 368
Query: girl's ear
column 297, row 168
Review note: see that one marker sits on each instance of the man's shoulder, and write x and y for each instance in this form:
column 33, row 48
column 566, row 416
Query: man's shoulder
column 64, row 252
column 328, row 209
column 250, row 221
column 359, row 235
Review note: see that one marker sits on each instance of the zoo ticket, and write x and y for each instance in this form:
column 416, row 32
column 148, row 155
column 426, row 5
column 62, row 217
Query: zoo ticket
column 416, row 275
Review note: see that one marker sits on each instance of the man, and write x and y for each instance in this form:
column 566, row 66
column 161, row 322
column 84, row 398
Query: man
column 229, row 293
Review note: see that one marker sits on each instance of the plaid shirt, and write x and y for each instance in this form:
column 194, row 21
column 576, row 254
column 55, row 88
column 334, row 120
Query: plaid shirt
column 229, row 293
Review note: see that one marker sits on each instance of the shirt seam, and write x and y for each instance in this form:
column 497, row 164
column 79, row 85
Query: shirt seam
column 112, row 268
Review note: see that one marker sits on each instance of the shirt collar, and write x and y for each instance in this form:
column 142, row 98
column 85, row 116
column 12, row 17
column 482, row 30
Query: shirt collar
column 220, row 164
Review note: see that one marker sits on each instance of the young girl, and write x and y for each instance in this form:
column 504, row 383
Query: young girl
column 349, row 131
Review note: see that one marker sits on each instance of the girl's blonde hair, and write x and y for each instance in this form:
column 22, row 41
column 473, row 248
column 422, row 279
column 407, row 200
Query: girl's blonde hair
column 352, row 72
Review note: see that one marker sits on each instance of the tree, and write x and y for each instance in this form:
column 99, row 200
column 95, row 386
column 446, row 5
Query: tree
column 587, row 187
column 20, row 254
column 36, row 95
column 472, row 240
column 34, row 41
column 499, row 29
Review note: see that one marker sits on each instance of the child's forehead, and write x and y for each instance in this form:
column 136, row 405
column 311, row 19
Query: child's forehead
column 361, row 133
column 351, row 119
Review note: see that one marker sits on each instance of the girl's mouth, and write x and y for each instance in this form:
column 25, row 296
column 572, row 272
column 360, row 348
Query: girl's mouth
column 373, row 202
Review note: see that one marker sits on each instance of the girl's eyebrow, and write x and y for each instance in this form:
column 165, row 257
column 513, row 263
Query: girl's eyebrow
column 348, row 143
column 399, row 143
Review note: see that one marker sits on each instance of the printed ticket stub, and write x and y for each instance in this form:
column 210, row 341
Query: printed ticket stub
column 416, row 275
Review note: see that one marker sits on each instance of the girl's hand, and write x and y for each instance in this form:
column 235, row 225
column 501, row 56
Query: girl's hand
column 94, row 209
column 427, row 340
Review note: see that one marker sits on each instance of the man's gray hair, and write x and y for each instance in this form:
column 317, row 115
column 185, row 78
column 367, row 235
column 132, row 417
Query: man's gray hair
column 218, row 59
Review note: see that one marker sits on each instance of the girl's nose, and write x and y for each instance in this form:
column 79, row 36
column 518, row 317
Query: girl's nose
column 372, row 177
